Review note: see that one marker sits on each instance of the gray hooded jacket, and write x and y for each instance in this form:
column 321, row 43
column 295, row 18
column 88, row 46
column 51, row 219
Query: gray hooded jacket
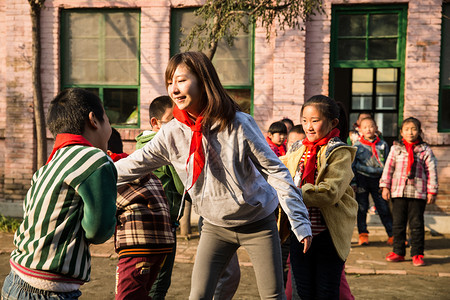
column 242, row 179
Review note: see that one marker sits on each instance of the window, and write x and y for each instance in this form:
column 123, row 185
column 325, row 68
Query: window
column 233, row 64
column 369, row 36
column 100, row 52
column 367, row 63
column 444, row 95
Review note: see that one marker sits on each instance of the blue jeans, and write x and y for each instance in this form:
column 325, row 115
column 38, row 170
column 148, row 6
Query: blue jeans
column 370, row 185
column 317, row 273
column 14, row 288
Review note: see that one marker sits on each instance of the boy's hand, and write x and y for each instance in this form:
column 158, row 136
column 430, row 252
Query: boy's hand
column 386, row 194
column 306, row 243
column 431, row 198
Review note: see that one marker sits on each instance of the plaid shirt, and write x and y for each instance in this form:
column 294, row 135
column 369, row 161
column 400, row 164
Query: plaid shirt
column 424, row 170
column 143, row 219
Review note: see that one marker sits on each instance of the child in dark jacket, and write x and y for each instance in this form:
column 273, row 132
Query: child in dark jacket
column 368, row 167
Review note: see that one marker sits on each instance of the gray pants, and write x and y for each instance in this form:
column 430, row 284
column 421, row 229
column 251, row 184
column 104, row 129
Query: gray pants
column 217, row 246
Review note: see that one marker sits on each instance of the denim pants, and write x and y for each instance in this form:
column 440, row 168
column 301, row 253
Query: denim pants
column 404, row 211
column 217, row 246
column 14, row 288
column 317, row 273
column 370, row 185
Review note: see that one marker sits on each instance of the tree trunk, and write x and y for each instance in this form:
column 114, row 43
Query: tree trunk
column 212, row 50
column 38, row 105
column 185, row 221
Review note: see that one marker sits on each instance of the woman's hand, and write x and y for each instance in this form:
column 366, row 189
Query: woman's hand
column 431, row 198
column 386, row 194
column 306, row 243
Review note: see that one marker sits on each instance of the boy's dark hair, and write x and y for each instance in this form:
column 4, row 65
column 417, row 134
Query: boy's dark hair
column 277, row 127
column 69, row 111
column 287, row 120
column 297, row 129
column 331, row 110
column 115, row 144
column 158, row 107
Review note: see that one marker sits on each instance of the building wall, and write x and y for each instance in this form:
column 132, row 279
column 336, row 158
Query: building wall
column 422, row 67
column 2, row 95
column 16, row 93
column 288, row 69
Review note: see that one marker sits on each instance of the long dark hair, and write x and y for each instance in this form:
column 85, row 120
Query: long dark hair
column 331, row 110
column 218, row 105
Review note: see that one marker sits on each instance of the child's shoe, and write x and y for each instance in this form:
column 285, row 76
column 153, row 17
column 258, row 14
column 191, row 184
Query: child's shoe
column 394, row 257
column 363, row 239
column 390, row 241
column 418, row 261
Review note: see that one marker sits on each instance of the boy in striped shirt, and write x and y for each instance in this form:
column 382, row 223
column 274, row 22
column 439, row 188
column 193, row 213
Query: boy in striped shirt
column 71, row 203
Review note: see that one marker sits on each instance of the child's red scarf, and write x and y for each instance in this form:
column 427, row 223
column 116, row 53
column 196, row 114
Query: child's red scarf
column 410, row 150
column 196, row 147
column 117, row 156
column 313, row 147
column 372, row 145
column 279, row 150
column 66, row 139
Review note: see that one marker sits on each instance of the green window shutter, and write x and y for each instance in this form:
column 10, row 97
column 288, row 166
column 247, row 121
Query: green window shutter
column 367, row 62
column 100, row 51
column 234, row 64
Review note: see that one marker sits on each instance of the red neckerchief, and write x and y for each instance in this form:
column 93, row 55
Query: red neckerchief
column 117, row 156
column 313, row 147
column 279, row 150
column 372, row 144
column 66, row 139
column 196, row 147
column 410, row 150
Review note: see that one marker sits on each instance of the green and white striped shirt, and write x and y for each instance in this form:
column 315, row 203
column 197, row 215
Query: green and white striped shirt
column 71, row 203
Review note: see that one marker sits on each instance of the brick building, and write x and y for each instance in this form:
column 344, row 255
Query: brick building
column 388, row 57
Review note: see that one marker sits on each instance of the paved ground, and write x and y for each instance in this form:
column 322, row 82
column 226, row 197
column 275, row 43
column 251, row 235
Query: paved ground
column 369, row 275
column 363, row 260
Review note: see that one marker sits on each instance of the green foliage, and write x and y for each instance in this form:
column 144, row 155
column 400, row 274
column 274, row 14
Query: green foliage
column 223, row 19
column 8, row 224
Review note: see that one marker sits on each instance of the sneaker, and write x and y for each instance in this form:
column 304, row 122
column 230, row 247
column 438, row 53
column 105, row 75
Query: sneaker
column 390, row 241
column 363, row 239
column 418, row 261
column 394, row 257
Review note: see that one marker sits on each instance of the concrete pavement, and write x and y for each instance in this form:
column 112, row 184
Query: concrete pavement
column 364, row 260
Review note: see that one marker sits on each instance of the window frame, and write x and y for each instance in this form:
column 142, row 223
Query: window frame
column 102, row 87
column 251, row 87
column 399, row 63
column 442, row 87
